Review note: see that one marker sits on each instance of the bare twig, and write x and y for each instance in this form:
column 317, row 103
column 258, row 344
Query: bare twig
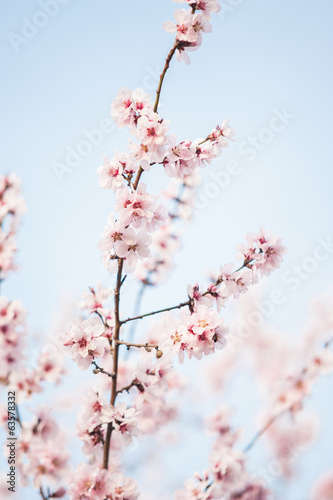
column 42, row 494
column 146, row 346
column 99, row 369
column 179, row 306
column 261, row 432
column 134, row 383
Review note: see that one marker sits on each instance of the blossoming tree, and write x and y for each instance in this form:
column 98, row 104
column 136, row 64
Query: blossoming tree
column 135, row 380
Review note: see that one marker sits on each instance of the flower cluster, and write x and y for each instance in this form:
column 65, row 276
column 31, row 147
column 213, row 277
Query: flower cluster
column 89, row 427
column 87, row 341
column 123, row 421
column 128, row 235
column 190, row 24
column 265, row 248
column 289, row 436
column 200, row 331
column 42, row 452
column 91, row 483
column 12, row 336
column 13, row 329
column 95, row 301
column 12, row 206
column 166, row 239
column 289, row 394
column 136, row 396
column 227, row 476
column 197, row 334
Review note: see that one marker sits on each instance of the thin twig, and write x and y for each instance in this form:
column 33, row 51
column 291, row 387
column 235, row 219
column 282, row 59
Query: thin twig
column 261, row 432
column 134, row 383
column 158, row 93
column 99, row 369
column 275, row 417
column 18, row 418
column 179, row 306
column 42, row 494
column 188, row 303
column 137, row 308
column 146, row 346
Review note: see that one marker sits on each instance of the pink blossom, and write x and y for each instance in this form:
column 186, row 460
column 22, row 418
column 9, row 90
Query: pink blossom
column 123, row 420
column 227, row 466
column 196, row 334
column 265, row 248
column 194, row 490
column 94, row 300
column 152, row 132
column 320, row 364
column 206, row 6
column 136, row 207
column 208, row 330
column 128, row 106
column 112, row 233
column 180, row 159
column 133, row 246
column 51, row 367
column 110, row 173
column 86, row 341
column 48, row 463
column 183, row 27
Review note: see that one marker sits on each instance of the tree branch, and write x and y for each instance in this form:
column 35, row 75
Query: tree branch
column 179, row 306
column 106, row 450
column 134, row 383
column 275, row 417
column 99, row 369
column 261, row 432
column 158, row 93
column 146, row 346
column 42, row 494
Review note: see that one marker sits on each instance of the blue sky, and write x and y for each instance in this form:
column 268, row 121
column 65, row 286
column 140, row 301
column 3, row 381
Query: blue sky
column 263, row 60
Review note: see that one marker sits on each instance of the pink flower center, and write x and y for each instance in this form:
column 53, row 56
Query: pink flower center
column 151, row 132
column 82, row 342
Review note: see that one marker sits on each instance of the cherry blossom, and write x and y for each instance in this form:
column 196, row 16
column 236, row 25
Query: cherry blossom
column 265, row 248
column 206, row 6
column 110, row 173
column 86, row 341
column 123, row 421
column 95, row 299
column 128, row 106
column 135, row 386
column 89, row 482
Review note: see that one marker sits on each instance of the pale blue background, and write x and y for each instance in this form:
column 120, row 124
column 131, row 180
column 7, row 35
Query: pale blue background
column 261, row 56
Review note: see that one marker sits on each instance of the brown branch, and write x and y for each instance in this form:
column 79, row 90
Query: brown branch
column 179, row 306
column 130, row 344
column 99, row 369
column 165, row 69
column 42, row 494
column 275, row 417
column 261, row 432
column 137, row 308
column 158, row 93
column 18, row 418
column 106, row 450
column 118, row 323
column 134, row 383
column 188, row 303
column 146, row 346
